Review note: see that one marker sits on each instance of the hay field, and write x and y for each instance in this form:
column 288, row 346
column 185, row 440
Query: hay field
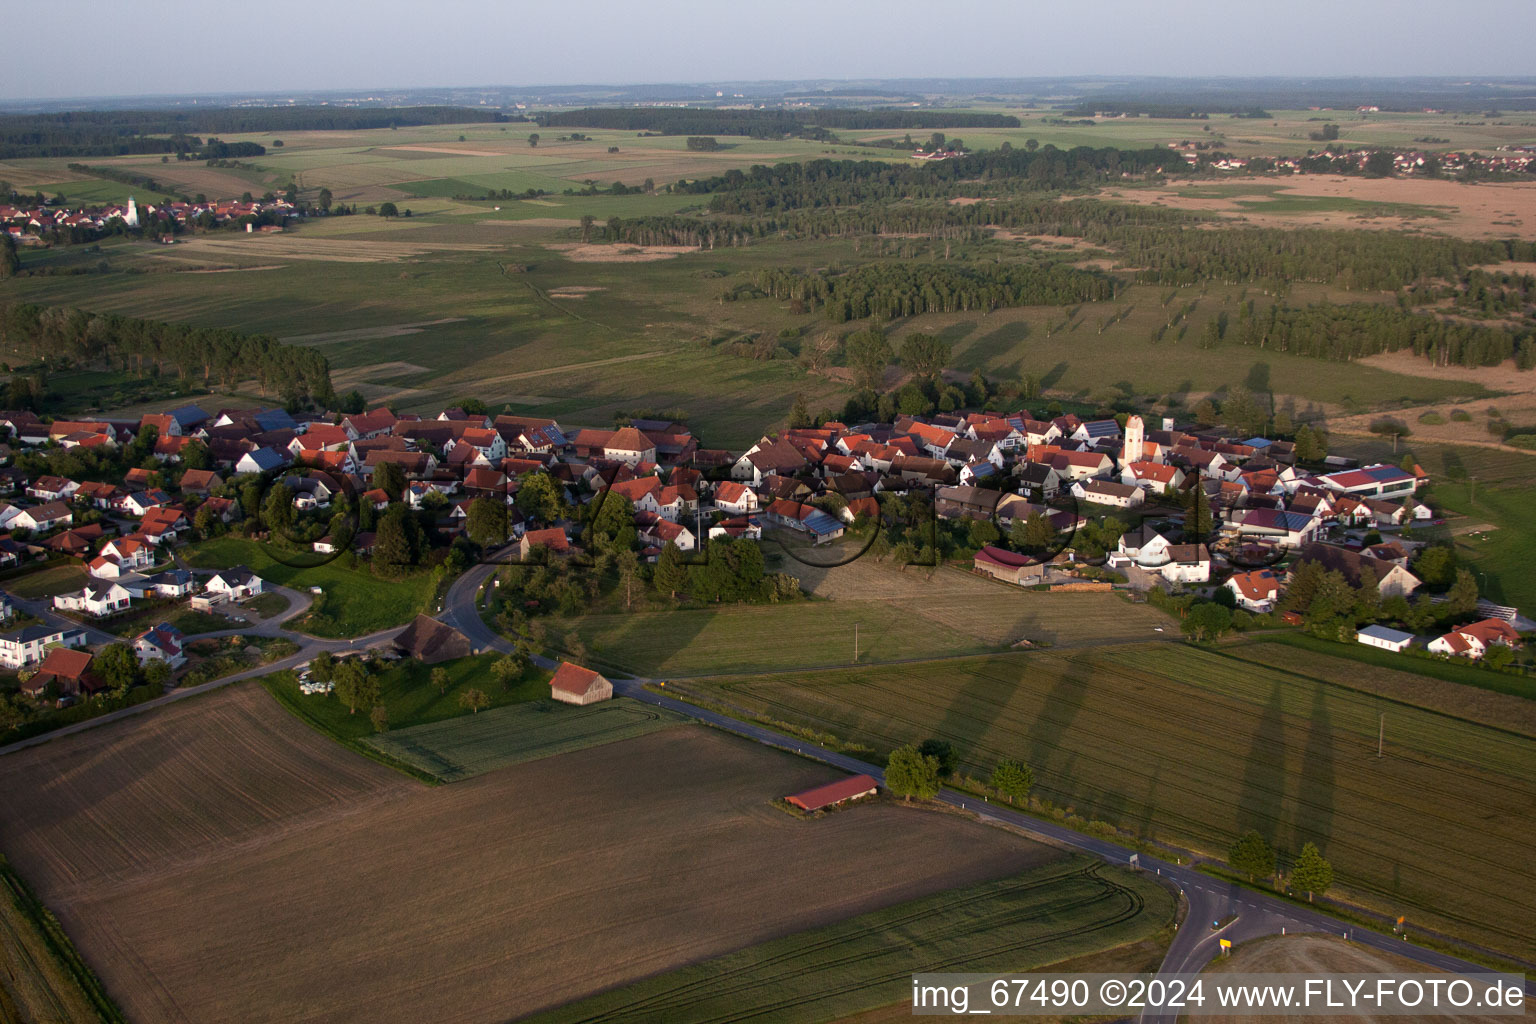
column 1193, row 747
column 221, row 861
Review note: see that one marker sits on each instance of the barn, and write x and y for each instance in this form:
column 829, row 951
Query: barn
column 572, row 684
column 833, row 793
column 430, row 641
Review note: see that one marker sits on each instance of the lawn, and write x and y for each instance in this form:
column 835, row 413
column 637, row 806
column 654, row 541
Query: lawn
column 1064, row 910
column 178, row 615
column 1192, row 747
column 41, row 583
column 463, row 747
column 407, row 693
column 355, row 601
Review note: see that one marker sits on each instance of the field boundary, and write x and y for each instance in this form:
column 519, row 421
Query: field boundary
column 64, row 953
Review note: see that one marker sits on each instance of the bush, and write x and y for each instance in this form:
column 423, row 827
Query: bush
column 1461, row 416
column 1431, row 418
column 1388, row 426
column 1526, row 441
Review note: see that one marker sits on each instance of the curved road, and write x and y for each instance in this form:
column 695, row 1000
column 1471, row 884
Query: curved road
column 1208, row 900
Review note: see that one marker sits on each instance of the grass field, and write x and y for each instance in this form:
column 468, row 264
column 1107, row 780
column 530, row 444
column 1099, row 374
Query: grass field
column 1063, row 910
column 41, row 583
column 918, row 613
column 356, row 601
column 461, row 748
column 218, row 861
column 1191, row 746
column 407, row 693
column 41, row 977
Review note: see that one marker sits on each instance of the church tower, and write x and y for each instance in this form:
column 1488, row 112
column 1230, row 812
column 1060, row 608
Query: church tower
column 131, row 218
column 1135, row 441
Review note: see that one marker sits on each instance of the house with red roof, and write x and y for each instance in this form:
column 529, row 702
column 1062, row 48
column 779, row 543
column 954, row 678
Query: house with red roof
column 1473, row 640
column 833, row 794
column 1255, row 591
column 572, row 684
column 553, row 538
column 65, row 671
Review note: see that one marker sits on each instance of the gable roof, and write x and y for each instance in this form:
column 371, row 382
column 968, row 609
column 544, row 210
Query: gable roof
column 574, row 679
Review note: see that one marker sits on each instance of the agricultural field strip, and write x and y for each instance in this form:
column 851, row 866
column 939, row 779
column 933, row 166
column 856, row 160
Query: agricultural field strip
column 811, row 968
column 1187, row 738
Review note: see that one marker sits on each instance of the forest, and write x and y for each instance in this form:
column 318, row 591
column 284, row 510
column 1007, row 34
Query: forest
column 891, row 289
column 58, row 337
column 765, row 124
column 125, row 132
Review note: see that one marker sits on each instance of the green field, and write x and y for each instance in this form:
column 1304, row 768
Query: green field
column 461, row 748
column 1192, row 747
column 356, row 601
column 407, row 693
column 1069, row 908
column 41, row 583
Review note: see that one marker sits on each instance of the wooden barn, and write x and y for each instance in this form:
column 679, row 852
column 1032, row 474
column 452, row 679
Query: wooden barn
column 855, row 787
column 572, row 684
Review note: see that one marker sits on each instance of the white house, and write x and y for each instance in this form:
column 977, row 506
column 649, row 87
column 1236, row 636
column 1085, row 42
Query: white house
column 28, row 646
column 236, row 583
column 1255, row 591
column 162, row 643
column 1386, row 639
column 98, row 598
column 1144, row 546
column 1187, row 563
column 1473, row 640
column 1104, row 492
column 735, row 498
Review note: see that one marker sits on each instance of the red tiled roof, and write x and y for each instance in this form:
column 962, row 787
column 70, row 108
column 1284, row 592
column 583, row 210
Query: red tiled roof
column 833, row 792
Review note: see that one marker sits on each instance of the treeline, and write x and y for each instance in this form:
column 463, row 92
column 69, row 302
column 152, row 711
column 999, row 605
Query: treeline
column 1345, row 332
column 129, row 132
column 900, row 289
column 144, row 181
column 1176, row 111
column 764, row 124
column 817, row 183
column 220, row 357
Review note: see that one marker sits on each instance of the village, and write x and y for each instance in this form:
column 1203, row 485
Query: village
column 49, row 219
column 1201, row 523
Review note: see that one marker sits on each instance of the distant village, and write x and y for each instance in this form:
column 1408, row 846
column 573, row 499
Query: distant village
column 1022, row 492
column 36, row 222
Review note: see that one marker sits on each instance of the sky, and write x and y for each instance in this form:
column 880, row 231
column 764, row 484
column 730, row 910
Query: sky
column 324, row 44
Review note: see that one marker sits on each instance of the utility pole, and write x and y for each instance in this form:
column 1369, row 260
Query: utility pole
column 1381, row 734
column 855, row 643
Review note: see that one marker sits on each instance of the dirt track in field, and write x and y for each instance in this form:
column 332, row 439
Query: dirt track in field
column 219, row 861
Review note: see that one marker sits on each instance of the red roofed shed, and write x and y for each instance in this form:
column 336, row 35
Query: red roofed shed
column 834, row 793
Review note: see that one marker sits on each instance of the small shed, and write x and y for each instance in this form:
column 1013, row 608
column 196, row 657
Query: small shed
column 1386, row 639
column 855, row 787
column 572, row 684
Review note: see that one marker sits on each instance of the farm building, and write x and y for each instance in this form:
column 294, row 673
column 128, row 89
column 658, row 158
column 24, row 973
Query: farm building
column 1386, row 639
column 855, row 787
column 430, row 641
column 572, row 684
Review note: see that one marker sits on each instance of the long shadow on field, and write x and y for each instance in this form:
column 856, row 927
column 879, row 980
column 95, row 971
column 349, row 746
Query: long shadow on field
column 1314, row 818
column 643, row 650
column 1261, row 802
column 1058, row 713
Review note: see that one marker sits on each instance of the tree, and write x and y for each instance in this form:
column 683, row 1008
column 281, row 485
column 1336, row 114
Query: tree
column 1379, row 164
column 379, row 716
column 389, row 477
column 1461, row 599
column 117, row 666
column 941, row 751
column 392, row 546
column 351, row 685
column 439, row 677
column 1034, row 533
column 799, row 413
column 277, row 510
column 1436, row 565
column 322, row 667
column 508, row 669
column 1312, row 874
column 486, row 523
column 671, row 575
column 1498, row 656
column 1013, row 779
column 910, row 773
column 474, row 701
column 1252, row 855
column 869, row 353
column 533, row 139
column 1206, row 621
column 924, row 355
column 539, row 497
column 388, row 209
column 10, row 261
column 1198, row 520
column 156, row 673
column 324, row 200
column 587, row 220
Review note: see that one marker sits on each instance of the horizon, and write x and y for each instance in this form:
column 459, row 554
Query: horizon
column 1371, row 39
